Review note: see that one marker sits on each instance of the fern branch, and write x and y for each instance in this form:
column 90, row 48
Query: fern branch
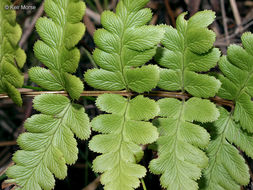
column 180, row 159
column 124, row 44
column 57, row 49
column 49, row 145
column 227, row 169
column 12, row 58
column 123, row 131
column 187, row 49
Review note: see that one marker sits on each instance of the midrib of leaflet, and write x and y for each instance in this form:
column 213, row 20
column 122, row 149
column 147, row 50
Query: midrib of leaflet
column 61, row 46
column 244, row 85
column 122, row 65
column 122, row 136
column 222, row 139
column 178, row 126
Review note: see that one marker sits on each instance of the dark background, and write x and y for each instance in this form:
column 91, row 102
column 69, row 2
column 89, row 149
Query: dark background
column 228, row 26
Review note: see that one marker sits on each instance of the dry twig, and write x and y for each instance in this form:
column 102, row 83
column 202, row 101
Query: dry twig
column 154, row 19
column 113, row 5
column 5, row 169
column 99, row 6
column 29, row 30
column 93, row 185
column 95, row 16
column 170, row 12
column 236, row 15
column 193, row 6
column 220, row 42
column 8, row 143
column 224, row 19
column 90, row 26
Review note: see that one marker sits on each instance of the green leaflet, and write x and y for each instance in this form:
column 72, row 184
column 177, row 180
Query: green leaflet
column 49, row 143
column 56, row 49
column 123, row 131
column 189, row 49
column 123, row 44
column 227, row 169
column 12, row 58
column 180, row 158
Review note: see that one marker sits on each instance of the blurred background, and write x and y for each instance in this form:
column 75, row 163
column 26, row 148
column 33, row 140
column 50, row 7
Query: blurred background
column 232, row 19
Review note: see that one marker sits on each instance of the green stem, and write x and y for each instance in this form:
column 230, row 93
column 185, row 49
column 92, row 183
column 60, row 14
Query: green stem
column 2, row 177
column 33, row 88
column 90, row 57
column 143, row 184
column 88, row 98
column 106, row 4
column 86, row 167
column 87, row 162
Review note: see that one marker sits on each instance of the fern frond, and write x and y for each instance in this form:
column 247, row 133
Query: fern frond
column 123, row 47
column 59, row 33
column 123, row 44
column 49, row 143
column 124, row 129
column 187, row 50
column 237, row 83
column 227, row 169
column 180, row 158
column 12, row 58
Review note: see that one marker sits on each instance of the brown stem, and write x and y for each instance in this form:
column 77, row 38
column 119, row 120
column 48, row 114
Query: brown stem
column 90, row 25
column 170, row 12
column 95, row 16
column 17, row 2
column 216, row 99
column 8, row 143
column 236, row 14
